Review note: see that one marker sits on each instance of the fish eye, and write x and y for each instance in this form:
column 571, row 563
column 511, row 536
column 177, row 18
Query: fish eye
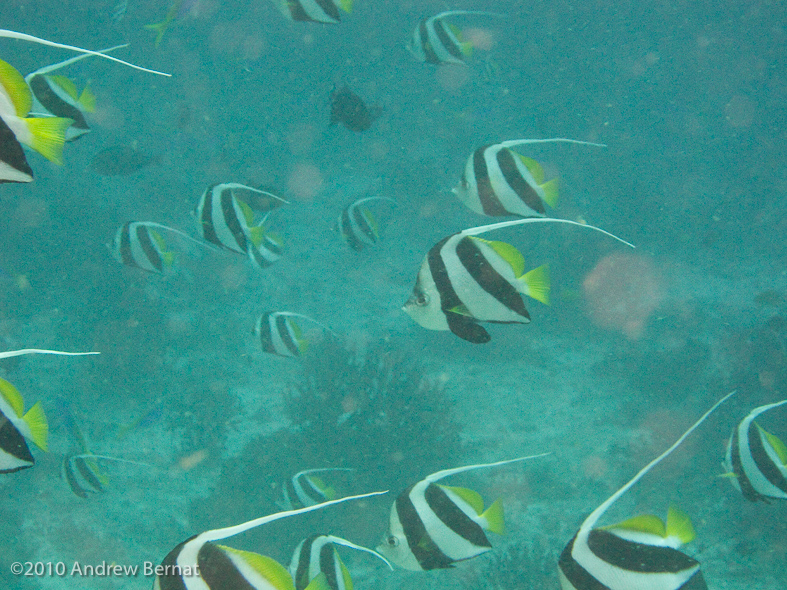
column 421, row 299
column 392, row 541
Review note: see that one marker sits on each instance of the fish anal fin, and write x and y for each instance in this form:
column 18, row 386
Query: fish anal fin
column 472, row 497
column 537, row 283
column 679, row 525
column 467, row 329
column 495, row 517
column 39, row 429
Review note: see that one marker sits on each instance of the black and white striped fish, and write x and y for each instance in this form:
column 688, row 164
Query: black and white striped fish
column 437, row 42
column 464, row 280
column 18, row 426
column 137, row 243
column 756, row 460
column 315, row 11
column 432, row 526
column 58, row 96
column 498, row 181
column 357, row 226
column 84, row 475
column 307, row 489
column 597, row 558
column 280, row 335
column 13, row 162
column 227, row 220
column 317, row 555
column 199, row 564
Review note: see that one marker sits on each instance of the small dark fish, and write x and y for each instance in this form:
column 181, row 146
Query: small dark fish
column 120, row 160
column 349, row 109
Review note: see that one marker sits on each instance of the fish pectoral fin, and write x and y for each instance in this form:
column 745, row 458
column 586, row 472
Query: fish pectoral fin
column 461, row 310
column 467, row 329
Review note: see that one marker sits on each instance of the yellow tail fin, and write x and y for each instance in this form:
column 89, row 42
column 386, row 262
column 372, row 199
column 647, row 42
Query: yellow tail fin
column 39, row 429
column 537, row 284
column 495, row 518
column 48, row 136
column 550, row 189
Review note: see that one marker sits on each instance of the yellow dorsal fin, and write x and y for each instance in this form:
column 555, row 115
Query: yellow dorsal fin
column 679, row 525
column 508, row 253
column 495, row 517
column 472, row 497
column 348, row 582
column 268, row 568
column 537, row 283
column 39, row 429
column 550, row 189
column 67, row 85
column 16, row 89
column 87, row 100
column 13, row 397
column 49, row 135
column 367, row 215
column 776, row 443
column 644, row 523
column 533, row 167
column 320, row 582
column 246, row 211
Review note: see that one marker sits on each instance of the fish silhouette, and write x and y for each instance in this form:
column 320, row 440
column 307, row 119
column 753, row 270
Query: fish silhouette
column 349, row 109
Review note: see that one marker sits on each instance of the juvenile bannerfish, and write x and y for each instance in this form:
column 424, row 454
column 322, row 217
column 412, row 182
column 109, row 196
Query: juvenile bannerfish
column 46, row 135
column 315, row 11
column 55, row 95
column 498, row 181
column 756, row 460
column 280, row 335
column 16, row 425
column 598, row 558
column 198, row 564
column 25, row 37
column 437, row 42
column 432, row 526
column 306, row 489
column 357, row 226
column 317, row 555
column 464, row 280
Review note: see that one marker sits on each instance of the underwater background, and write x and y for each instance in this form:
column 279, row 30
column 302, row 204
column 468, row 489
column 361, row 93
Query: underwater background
column 687, row 96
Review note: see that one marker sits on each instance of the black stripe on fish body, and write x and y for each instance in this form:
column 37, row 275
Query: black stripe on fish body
column 302, row 557
column 485, row 275
column 362, row 223
column 124, row 250
column 264, row 255
column 764, row 463
column 219, row 572
column 12, row 157
column 638, row 559
column 346, row 230
column 87, row 473
column 423, row 548
column 149, row 248
column 72, row 481
column 329, row 9
column 329, row 565
column 234, row 224
column 42, row 88
column 309, row 489
column 506, row 160
column 446, row 39
column 454, row 518
column 13, row 444
column 171, row 580
column 205, row 210
column 291, row 495
column 747, row 489
column 284, row 330
column 426, row 44
column 486, row 195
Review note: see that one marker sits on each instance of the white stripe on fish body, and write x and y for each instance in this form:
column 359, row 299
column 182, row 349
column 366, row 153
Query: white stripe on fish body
column 508, row 198
column 129, row 247
column 211, row 220
column 400, row 554
column 480, row 304
column 309, row 555
column 751, row 470
column 283, row 343
column 443, row 41
column 12, row 174
column 309, row 10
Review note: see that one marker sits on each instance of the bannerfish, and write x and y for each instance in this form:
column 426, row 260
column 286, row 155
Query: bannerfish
column 307, row 489
column 199, row 564
column 13, row 162
column 599, row 558
column 46, row 135
column 432, row 526
column 317, row 555
column 438, row 42
column 55, row 95
column 498, row 181
column 357, row 226
column 227, row 221
column 279, row 334
column 349, row 109
column 120, row 160
column 84, row 476
column 16, row 425
column 315, row 11
column 139, row 244
column 756, row 460
column 464, row 280
column 25, row 37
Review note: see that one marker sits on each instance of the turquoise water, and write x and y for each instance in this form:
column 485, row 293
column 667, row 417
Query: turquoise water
column 689, row 99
